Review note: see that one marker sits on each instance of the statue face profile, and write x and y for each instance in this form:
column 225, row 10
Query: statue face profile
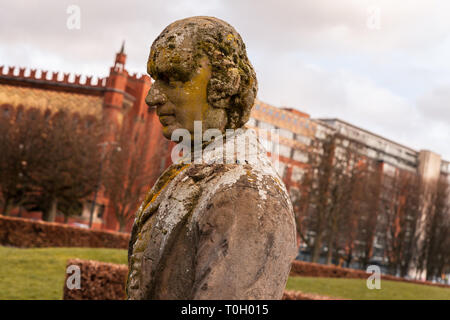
column 180, row 102
column 201, row 73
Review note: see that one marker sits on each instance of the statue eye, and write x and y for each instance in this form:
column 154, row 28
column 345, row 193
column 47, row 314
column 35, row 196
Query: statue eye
column 173, row 83
column 165, row 79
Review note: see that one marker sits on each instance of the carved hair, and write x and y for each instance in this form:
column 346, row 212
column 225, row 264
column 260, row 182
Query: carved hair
column 176, row 53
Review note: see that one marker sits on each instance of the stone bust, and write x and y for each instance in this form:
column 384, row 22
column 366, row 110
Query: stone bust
column 222, row 227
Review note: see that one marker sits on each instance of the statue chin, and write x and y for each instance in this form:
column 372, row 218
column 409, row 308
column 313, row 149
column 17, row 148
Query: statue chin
column 167, row 131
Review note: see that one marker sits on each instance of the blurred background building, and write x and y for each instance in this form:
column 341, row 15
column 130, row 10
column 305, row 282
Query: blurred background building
column 119, row 101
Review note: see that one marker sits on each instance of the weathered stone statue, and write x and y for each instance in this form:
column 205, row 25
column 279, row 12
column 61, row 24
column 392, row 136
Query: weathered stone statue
column 219, row 226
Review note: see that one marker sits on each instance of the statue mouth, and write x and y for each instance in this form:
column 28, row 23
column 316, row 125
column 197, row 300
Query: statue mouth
column 167, row 119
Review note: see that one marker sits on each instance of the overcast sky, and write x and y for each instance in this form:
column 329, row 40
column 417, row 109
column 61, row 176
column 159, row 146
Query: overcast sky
column 382, row 65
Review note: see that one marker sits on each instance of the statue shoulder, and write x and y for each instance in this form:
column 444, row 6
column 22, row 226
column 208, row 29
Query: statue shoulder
column 239, row 185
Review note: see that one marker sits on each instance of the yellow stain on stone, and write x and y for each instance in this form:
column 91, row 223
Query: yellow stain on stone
column 198, row 97
column 169, row 179
column 232, row 38
column 251, row 177
column 277, row 185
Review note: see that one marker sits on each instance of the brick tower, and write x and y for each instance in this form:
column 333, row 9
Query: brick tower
column 114, row 103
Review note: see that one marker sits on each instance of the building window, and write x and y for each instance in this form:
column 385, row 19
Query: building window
column 371, row 153
column 286, row 133
column 294, row 193
column 33, row 114
column 297, row 174
column 265, row 125
column 47, row 115
column 19, row 114
column 285, row 151
column 303, row 139
column 100, row 211
column 6, row 112
column 300, row 156
column 320, row 134
column 252, row 122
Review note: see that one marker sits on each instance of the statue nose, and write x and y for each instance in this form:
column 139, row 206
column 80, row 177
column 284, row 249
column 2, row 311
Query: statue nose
column 155, row 97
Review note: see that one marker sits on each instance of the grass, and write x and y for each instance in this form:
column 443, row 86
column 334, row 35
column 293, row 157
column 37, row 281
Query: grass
column 39, row 273
column 356, row 289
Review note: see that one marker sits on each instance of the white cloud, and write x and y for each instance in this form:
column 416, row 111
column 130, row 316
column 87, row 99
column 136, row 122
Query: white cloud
column 318, row 56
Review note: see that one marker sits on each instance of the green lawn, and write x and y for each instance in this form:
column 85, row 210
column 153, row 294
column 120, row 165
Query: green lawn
column 356, row 289
column 39, row 273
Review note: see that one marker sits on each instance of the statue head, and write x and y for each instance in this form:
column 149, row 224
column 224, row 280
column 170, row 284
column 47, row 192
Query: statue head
column 201, row 73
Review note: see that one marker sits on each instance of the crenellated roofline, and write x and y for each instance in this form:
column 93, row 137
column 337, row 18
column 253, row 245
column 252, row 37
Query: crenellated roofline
column 17, row 73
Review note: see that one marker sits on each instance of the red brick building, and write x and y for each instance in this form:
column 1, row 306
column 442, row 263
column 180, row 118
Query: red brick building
column 118, row 100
